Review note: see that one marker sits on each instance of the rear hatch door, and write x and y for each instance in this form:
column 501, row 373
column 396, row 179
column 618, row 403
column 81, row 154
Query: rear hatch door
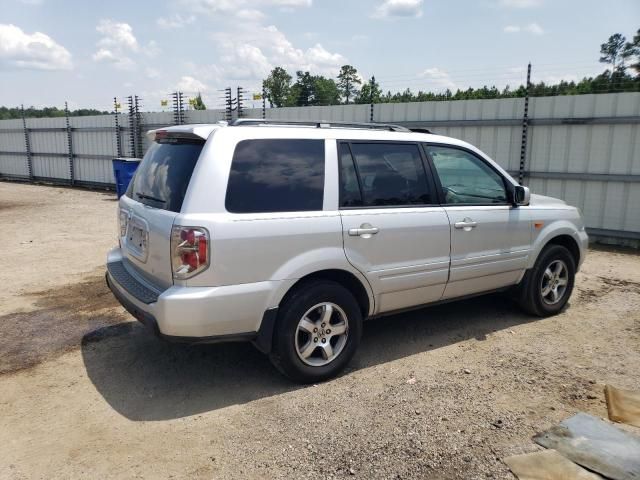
column 151, row 203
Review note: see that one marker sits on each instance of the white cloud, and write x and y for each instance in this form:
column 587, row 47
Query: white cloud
column 250, row 14
column 116, row 35
column 240, row 8
column 438, row 79
column 175, row 21
column 151, row 49
column 398, row 8
column 251, row 52
column 118, row 60
column 532, row 28
column 118, row 45
column 36, row 50
column 190, row 85
column 520, row 3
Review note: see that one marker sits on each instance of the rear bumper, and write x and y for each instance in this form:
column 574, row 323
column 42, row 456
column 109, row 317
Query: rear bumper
column 150, row 322
column 193, row 314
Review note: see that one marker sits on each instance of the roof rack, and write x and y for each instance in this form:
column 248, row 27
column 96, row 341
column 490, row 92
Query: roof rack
column 318, row 124
column 420, row 130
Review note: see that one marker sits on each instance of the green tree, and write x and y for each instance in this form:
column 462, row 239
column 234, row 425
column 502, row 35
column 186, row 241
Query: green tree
column 326, row 91
column 612, row 52
column 303, row 92
column 632, row 50
column 348, row 81
column 370, row 92
column 197, row 103
column 277, row 87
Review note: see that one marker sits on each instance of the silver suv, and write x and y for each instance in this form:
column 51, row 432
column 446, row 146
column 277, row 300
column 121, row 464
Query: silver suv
column 289, row 235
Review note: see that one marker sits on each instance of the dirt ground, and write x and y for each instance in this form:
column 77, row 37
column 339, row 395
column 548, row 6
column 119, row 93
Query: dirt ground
column 444, row 392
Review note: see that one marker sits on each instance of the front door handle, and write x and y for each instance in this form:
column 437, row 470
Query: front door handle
column 467, row 224
column 365, row 231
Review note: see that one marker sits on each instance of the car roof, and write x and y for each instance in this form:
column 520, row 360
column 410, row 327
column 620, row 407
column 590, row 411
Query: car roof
column 313, row 129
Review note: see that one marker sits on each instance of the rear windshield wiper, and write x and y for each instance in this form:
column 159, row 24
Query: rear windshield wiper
column 149, row 197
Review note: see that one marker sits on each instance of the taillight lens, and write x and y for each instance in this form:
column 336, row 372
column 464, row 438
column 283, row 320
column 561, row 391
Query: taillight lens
column 123, row 221
column 189, row 251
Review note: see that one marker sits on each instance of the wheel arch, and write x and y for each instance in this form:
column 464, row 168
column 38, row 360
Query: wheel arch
column 568, row 242
column 345, row 278
column 357, row 286
column 561, row 233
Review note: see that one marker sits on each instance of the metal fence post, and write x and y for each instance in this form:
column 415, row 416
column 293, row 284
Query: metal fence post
column 373, row 82
column 132, row 127
column 27, row 144
column 72, row 173
column 264, row 103
column 525, row 128
column 117, row 124
column 139, row 143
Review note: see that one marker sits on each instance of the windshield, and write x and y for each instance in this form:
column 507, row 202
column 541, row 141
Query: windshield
column 163, row 176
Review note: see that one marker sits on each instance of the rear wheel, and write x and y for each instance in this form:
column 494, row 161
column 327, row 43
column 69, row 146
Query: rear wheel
column 317, row 332
column 547, row 287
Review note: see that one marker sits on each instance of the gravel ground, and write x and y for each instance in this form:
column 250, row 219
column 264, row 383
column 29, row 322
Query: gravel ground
column 443, row 392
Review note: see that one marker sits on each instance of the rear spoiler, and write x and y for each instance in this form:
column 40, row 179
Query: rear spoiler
column 186, row 132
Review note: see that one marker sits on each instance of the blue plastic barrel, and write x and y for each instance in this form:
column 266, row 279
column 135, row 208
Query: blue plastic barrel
column 123, row 170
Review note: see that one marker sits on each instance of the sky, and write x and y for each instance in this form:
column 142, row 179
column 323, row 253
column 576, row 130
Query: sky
column 87, row 52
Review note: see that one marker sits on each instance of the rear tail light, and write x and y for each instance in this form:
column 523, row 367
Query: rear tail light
column 189, row 251
column 123, row 220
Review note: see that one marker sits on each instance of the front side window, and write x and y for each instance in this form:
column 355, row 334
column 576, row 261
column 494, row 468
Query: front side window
column 389, row 174
column 465, row 178
column 276, row 175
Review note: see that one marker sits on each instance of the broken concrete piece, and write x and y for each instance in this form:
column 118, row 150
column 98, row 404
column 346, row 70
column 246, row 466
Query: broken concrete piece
column 547, row 465
column 623, row 405
column 595, row 444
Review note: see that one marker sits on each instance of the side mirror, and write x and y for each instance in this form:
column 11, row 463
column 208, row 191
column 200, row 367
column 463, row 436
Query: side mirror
column 521, row 195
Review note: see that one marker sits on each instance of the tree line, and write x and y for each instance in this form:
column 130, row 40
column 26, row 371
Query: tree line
column 7, row 113
column 622, row 75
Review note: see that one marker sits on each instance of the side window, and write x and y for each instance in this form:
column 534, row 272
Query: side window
column 390, row 174
column 276, row 175
column 465, row 178
column 350, row 195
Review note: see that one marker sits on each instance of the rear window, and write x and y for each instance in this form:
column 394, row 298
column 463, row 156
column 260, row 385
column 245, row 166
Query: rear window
column 163, row 176
column 276, row 175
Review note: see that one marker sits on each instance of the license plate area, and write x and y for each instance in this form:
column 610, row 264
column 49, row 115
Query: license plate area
column 138, row 238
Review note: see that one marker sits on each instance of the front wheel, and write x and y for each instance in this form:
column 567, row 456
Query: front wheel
column 547, row 287
column 317, row 332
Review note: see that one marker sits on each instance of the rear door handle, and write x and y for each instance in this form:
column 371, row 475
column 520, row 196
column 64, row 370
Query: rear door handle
column 467, row 224
column 363, row 231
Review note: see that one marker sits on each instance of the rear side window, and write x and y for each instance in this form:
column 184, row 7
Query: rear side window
column 163, row 176
column 276, row 175
column 388, row 174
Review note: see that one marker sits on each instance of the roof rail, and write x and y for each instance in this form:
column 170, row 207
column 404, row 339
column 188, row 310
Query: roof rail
column 420, row 130
column 318, row 124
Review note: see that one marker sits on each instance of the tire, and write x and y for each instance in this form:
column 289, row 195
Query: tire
column 306, row 356
column 536, row 292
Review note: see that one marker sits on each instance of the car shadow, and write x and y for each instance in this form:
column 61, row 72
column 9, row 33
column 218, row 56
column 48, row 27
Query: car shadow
column 145, row 378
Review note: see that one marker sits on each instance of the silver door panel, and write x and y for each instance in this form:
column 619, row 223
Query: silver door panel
column 484, row 283
column 407, row 259
column 491, row 254
column 487, row 265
